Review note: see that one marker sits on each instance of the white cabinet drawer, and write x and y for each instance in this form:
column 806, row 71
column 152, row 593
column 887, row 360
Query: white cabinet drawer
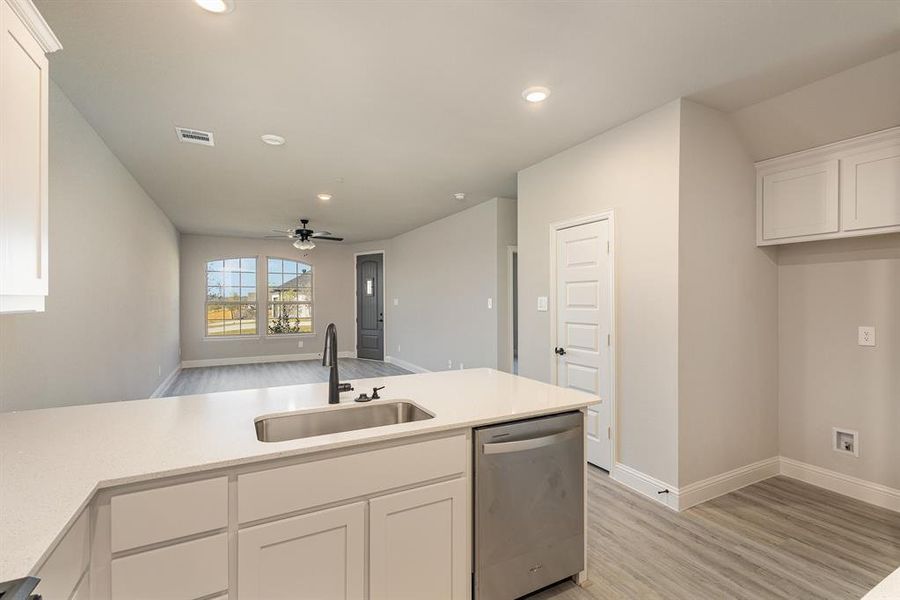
column 870, row 189
column 167, row 513
column 181, row 572
column 297, row 487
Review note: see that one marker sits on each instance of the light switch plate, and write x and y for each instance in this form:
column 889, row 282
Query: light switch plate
column 542, row 303
column 490, row 303
column 396, row 301
column 866, row 336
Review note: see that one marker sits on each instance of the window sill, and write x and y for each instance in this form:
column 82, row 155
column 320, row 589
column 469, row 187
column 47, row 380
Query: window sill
column 278, row 336
column 216, row 338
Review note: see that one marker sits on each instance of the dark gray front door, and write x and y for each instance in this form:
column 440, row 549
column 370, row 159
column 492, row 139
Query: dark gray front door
column 370, row 306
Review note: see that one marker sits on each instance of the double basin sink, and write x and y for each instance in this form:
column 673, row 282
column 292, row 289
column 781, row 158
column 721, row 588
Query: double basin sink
column 304, row 424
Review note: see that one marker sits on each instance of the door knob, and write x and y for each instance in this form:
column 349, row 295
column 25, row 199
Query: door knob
column 560, row 351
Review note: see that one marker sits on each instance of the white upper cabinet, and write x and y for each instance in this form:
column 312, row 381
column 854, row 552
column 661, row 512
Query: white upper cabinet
column 870, row 188
column 24, row 87
column 846, row 189
column 800, row 201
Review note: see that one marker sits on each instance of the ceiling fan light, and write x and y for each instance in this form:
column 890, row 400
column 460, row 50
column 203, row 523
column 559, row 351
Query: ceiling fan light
column 304, row 244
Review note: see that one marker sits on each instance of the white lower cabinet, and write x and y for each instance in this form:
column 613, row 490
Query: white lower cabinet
column 320, row 555
column 418, row 543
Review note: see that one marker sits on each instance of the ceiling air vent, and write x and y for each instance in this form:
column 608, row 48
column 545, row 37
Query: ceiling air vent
column 195, row 136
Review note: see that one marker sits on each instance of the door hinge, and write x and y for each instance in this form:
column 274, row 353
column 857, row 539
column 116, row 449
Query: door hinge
column 607, row 340
column 607, row 247
column 609, row 433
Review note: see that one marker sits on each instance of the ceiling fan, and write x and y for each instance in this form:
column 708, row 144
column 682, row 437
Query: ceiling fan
column 303, row 236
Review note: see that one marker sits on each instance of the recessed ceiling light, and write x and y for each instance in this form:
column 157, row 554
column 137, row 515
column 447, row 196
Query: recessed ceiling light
column 216, row 6
column 323, row 196
column 459, row 196
column 272, row 139
column 536, row 94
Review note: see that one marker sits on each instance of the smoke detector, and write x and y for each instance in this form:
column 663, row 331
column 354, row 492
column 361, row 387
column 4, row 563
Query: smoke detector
column 195, row 136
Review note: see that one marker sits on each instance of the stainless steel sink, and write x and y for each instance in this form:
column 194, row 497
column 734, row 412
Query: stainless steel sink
column 292, row 426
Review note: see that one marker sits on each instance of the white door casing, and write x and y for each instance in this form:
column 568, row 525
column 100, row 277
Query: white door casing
column 583, row 302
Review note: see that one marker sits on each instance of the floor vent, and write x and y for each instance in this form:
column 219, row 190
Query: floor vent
column 195, row 136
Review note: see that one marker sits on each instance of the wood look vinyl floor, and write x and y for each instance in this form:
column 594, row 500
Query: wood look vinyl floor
column 779, row 538
column 202, row 380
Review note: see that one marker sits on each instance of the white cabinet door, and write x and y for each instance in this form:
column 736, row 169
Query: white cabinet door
column 798, row 202
column 23, row 166
column 418, row 543
column 870, row 189
column 320, row 555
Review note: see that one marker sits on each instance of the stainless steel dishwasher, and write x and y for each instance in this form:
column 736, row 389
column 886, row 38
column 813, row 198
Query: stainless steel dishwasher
column 529, row 505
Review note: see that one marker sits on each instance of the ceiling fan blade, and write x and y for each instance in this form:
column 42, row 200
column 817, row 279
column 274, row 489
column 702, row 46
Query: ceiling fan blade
column 277, row 237
column 284, row 231
column 321, row 234
column 328, row 237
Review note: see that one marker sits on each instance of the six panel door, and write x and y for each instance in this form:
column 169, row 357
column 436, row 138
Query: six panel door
column 583, row 327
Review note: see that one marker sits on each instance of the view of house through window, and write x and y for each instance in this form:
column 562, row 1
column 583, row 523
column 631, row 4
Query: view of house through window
column 290, row 297
column 231, row 303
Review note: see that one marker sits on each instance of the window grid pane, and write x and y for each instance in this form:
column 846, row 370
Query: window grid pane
column 231, row 308
column 289, row 297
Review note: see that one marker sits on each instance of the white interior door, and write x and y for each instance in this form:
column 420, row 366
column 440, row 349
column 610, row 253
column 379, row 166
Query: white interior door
column 583, row 301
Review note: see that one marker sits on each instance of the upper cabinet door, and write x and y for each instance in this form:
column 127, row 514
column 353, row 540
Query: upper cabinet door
column 870, row 189
column 799, row 202
column 23, row 159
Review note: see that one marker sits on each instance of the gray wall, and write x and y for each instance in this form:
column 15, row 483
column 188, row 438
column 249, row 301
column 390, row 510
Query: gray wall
column 333, row 275
column 727, row 306
column 110, row 330
column 827, row 290
column 850, row 103
column 506, row 237
column 442, row 275
column 632, row 169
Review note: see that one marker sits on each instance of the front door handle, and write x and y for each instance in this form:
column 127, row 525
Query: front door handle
column 560, row 351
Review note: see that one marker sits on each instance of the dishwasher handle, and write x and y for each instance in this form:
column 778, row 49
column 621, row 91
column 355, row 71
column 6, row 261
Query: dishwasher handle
column 531, row 443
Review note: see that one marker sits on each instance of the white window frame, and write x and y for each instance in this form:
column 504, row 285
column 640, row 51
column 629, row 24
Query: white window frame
column 312, row 302
column 206, row 303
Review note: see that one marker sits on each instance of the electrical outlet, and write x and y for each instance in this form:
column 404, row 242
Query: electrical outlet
column 542, row 304
column 449, row 364
column 490, row 303
column 461, row 366
column 299, row 343
column 845, row 441
column 398, row 347
column 396, row 301
column 866, row 335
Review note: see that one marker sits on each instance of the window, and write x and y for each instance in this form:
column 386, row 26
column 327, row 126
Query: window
column 231, row 297
column 290, row 297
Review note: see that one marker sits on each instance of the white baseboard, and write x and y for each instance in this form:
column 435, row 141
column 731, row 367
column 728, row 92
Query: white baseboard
column 867, row 491
column 161, row 389
column 249, row 360
column 405, row 365
column 696, row 493
column 718, row 485
column 645, row 484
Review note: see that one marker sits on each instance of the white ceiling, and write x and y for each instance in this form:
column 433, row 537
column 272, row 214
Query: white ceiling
column 395, row 106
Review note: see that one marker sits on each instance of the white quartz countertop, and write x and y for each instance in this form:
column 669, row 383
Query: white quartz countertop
column 52, row 461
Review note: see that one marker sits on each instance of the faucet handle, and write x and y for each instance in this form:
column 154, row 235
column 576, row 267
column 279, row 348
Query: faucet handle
column 363, row 398
column 375, row 395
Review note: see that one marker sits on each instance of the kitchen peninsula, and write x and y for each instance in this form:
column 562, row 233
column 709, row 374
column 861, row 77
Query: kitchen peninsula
column 177, row 497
